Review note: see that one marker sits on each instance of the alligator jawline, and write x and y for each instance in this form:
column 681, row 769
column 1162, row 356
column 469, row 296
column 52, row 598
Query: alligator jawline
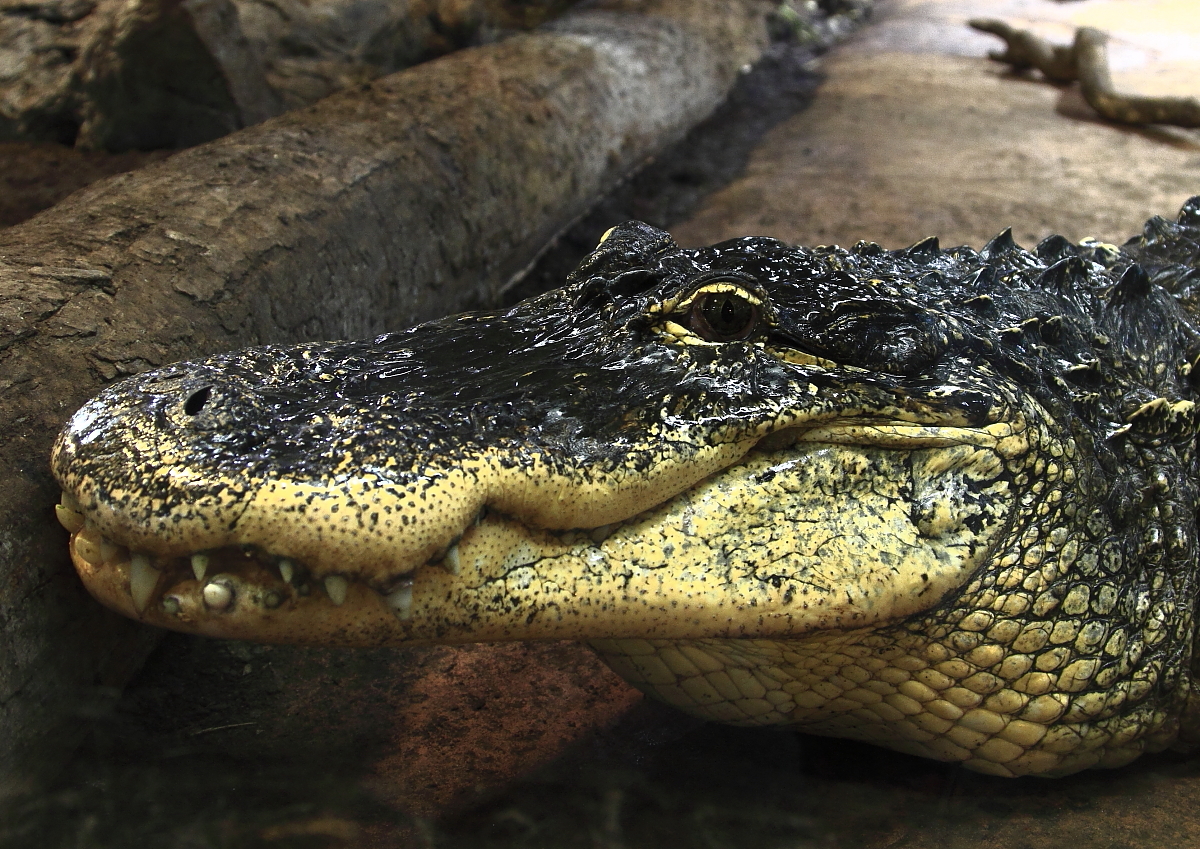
column 245, row 592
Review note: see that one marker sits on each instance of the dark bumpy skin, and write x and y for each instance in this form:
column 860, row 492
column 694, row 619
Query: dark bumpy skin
column 941, row 500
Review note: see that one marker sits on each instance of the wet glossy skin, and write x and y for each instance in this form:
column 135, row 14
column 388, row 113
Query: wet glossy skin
column 940, row 500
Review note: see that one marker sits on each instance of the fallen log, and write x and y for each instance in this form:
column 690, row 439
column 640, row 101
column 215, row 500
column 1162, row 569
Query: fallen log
column 417, row 195
column 150, row 74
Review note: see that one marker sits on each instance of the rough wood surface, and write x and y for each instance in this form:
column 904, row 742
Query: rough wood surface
column 417, row 195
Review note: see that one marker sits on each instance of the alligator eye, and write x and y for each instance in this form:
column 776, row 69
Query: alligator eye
column 722, row 316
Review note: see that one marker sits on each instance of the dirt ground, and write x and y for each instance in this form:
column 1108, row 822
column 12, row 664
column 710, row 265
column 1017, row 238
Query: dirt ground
column 913, row 132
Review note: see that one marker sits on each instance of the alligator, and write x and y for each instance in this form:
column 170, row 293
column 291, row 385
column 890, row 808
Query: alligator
column 940, row 500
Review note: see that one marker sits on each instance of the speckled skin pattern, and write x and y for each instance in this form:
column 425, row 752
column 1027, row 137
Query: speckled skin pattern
column 940, row 500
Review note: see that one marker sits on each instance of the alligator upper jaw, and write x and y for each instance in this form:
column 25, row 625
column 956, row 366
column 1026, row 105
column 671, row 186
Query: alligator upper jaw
column 842, row 545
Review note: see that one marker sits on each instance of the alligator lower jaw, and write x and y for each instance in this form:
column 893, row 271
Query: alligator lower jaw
column 801, row 538
column 234, row 594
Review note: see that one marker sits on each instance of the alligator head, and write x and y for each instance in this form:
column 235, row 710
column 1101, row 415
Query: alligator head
column 938, row 500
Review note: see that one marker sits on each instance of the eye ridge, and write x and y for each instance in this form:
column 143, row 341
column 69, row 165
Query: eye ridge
column 723, row 317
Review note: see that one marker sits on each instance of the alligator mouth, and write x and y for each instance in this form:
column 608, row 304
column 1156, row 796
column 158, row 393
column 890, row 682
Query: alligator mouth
column 864, row 523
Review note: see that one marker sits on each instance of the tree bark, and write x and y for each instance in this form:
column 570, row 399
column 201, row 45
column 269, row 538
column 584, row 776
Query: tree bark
column 414, row 196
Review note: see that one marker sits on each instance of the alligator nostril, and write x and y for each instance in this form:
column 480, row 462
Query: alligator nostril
column 196, row 401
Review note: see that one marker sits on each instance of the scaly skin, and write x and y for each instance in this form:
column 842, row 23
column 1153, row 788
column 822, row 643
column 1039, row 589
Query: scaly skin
column 944, row 501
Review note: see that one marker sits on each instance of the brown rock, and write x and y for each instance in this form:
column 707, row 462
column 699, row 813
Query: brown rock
column 38, row 45
column 422, row 730
column 150, row 77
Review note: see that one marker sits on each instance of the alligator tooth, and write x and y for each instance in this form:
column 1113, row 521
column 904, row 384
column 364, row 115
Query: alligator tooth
column 399, row 600
column 109, row 550
column 199, row 566
column 218, row 595
column 69, row 519
column 143, row 578
column 601, row 533
column 87, row 546
column 287, row 569
column 452, row 561
column 171, row 605
column 335, row 587
column 271, row 599
column 69, row 513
